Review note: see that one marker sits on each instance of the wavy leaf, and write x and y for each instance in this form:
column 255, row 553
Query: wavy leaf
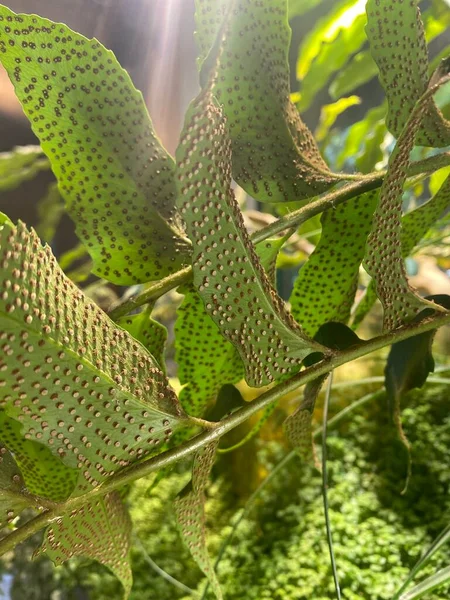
column 397, row 43
column 227, row 272
column 100, row 530
column 116, row 178
column 384, row 261
column 66, row 365
column 275, row 157
column 326, row 284
column 190, row 514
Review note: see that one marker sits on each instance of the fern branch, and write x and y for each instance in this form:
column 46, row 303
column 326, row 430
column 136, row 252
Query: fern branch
column 136, row 471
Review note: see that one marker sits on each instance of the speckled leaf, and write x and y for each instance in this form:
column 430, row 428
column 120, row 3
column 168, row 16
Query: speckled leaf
column 397, row 42
column 384, row 261
column 21, row 164
column 415, row 225
column 75, row 381
column 44, row 473
column 275, row 157
column 116, row 178
column 326, row 285
column 11, row 486
column 227, row 272
column 100, row 530
column 206, row 360
column 149, row 332
column 298, row 426
column 190, row 514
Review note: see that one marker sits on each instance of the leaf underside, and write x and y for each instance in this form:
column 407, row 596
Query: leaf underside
column 116, row 178
column 227, row 272
column 189, row 509
column 326, row 285
column 397, row 43
column 100, row 530
column 75, row 381
column 275, row 156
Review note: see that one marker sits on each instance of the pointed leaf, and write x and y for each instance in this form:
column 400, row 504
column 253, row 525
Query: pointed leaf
column 44, row 474
column 66, row 366
column 149, row 332
column 11, row 486
column 116, row 178
column 384, row 260
column 227, row 272
column 275, row 156
column 326, row 285
column 190, row 514
column 21, row 164
column 100, row 530
column 397, row 43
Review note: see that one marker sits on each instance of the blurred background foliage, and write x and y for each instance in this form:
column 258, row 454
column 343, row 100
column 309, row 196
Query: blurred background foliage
column 279, row 551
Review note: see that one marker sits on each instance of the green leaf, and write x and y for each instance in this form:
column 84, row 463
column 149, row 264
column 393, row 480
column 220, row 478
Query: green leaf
column 229, row 399
column 100, row 530
column 189, row 509
column 50, row 210
column 115, row 176
column 384, row 261
column 326, row 285
column 359, row 70
column 5, row 220
column 397, row 43
column 330, row 112
column 430, row 583
column 298, row 8
column 21, row 164
column 275, row 156
column 206, row 360
column 346, row 38
column 44, row 474
column 65, row 365
column 227, row 272
column 149, row 332
column 11, row 485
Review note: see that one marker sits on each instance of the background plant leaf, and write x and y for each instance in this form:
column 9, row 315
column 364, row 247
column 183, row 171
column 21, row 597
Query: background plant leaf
column 65, row 366
column 11, row 486
column 115, row 176
column 21, row 164
column 99, row 530
column 275, row 156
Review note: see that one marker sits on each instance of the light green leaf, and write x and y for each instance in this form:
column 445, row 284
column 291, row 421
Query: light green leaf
column 65, row 365
column 100, row 530
column 21, row 164
column 275, row 156
column 115, row 176
column 50, row 210
column 384, row 261
column 397, row 43
column 149, row 332
column 430, row 583
column 359, row 70
column 227, row 272
column 330, row 112
column 189, row 509
column 300, row 7
column 332, row 56
column 44, row 474
column 326, row 285
column 11, row 485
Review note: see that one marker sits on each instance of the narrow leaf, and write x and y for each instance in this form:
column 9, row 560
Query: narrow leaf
column 227, row 272
column 100, row 530
column 190, row 514
column 326, row 285
column 50, row 210
column 275, row 156
column 65, row 365
column 397, row 43
column 430, row 583
column 116, row 178
column 11, row 486
column 384, row 260
column 21, row 164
